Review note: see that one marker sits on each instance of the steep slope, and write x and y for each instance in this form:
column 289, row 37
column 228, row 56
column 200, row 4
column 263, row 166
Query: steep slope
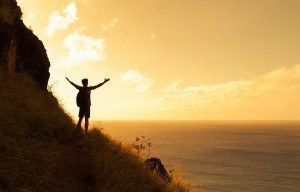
column 34, row 137
column 40, row 153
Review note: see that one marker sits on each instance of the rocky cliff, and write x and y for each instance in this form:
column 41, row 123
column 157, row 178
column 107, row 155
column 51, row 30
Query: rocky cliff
column 20, row 49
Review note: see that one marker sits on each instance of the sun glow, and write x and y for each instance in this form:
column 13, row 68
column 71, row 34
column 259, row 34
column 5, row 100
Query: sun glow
column 174, row 59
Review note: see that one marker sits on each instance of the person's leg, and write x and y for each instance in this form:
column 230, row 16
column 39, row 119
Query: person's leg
column 87, row 116
column 79, row 124
column 80, row 115
column 86, row 124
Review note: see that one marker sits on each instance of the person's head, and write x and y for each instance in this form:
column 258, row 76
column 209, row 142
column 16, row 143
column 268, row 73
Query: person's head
column 85, row 82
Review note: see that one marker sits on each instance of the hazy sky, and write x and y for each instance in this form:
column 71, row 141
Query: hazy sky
column 174, row 59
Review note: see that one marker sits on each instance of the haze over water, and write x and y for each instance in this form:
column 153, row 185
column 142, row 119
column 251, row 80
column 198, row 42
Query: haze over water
column 223, row 156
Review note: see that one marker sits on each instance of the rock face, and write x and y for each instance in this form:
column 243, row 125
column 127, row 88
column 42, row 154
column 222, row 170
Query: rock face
column 156, row 165
column 20, row 49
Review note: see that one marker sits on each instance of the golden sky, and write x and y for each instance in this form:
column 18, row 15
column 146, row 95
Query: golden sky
column 174, row 59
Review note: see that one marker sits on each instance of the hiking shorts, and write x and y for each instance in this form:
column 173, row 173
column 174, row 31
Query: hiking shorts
column 84, row 112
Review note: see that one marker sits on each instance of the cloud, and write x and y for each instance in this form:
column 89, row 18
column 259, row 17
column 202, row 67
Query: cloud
column 85, row 1
column 133, row 77
column 29, row 16
column 32, row 15
column 153, row 37
column 61, row 19
column 82, row 49
column 113, row 22
column 276, row 92
column 173, row 85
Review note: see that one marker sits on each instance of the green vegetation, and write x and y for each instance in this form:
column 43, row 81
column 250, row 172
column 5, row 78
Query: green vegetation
column 39, row 151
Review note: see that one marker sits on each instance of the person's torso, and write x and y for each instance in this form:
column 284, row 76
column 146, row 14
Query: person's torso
column 86, row 92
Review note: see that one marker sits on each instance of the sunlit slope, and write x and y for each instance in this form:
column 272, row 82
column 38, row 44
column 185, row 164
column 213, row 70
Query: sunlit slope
column 39, row 151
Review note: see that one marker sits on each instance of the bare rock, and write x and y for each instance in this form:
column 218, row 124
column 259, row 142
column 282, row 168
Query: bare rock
column 156, row 165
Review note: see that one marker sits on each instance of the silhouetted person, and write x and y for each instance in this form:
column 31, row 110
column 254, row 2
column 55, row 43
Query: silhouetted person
column 83, row 100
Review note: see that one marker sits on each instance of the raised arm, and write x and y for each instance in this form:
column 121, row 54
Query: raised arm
column 100, row 84
column 76, row 86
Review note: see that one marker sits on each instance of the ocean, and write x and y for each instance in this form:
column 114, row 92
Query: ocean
column 222, row 156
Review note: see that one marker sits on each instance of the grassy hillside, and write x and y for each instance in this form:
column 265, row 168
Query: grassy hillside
column 40, row 153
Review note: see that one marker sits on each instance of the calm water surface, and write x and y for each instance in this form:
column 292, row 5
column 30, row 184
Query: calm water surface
column 223, row 156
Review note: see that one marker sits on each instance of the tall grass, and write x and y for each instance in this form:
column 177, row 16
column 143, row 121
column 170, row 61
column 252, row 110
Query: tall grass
column 39, row 151
column 34, row 131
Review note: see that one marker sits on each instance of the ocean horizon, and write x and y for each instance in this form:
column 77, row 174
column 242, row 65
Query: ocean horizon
column 222, row 155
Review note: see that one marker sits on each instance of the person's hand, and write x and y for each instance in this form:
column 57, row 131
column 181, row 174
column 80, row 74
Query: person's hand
column 106, row 79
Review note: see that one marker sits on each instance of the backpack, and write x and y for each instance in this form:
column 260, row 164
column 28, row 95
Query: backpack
column 80, row 98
